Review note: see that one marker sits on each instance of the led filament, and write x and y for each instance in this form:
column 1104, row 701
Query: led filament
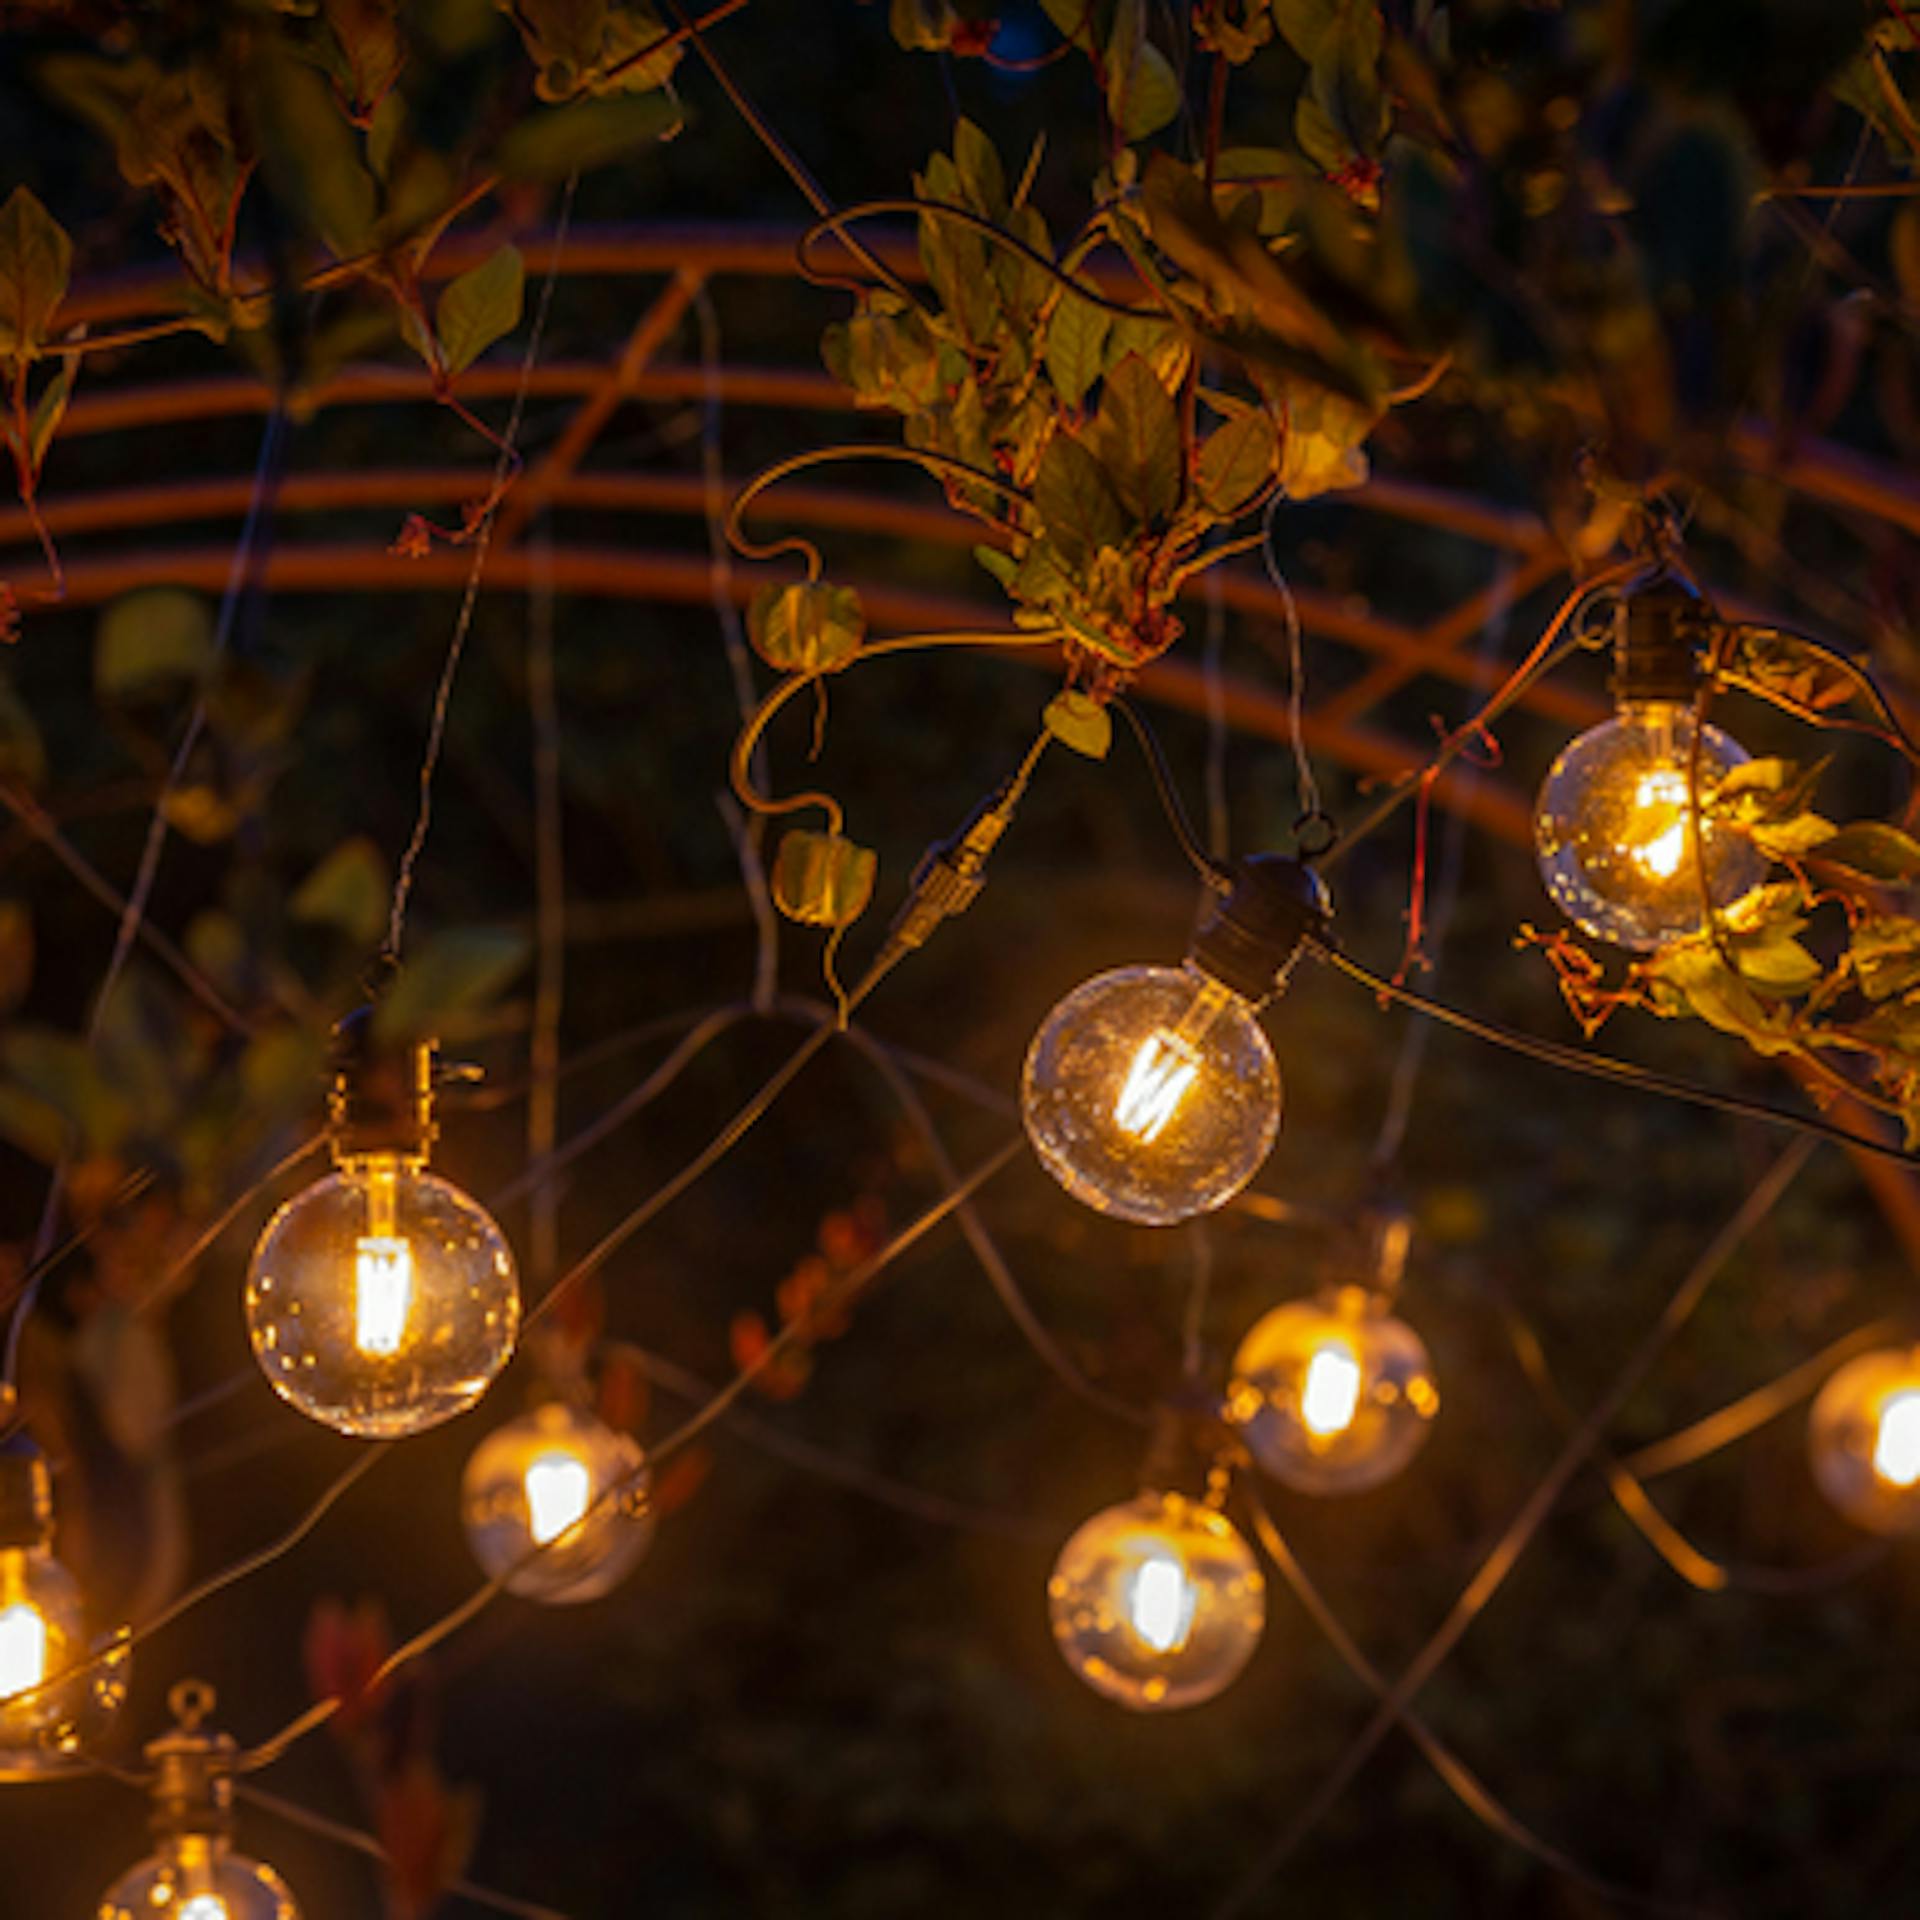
column 382, row 1300
column 1864, row 1437
column 1151, row 1093
column 555, row 1505
column 1157, row 1603
column 1333, row 1395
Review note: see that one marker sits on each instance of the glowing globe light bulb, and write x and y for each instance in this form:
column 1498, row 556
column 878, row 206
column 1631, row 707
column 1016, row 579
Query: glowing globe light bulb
column 555, row 1505
column 56, row 1693
column 1620, row 849
column 194, row 1872
column 382, row 1300
column 1333, row 1395
column 1157, row 1603
column 1151, row 1093
column 1864, row 1438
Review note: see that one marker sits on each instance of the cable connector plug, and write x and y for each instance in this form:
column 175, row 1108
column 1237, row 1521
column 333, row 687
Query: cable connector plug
column 952, row 871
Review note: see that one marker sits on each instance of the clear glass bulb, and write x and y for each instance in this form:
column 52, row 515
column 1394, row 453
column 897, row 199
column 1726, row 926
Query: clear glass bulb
column 1333, row 1395
column 1613, row 833
column 198, row 1877
column 42, row 1631
column 1157, row 1603
column 537, row 1482
column 382, row 1300
column 1151, row 1093
column 1864, row 1437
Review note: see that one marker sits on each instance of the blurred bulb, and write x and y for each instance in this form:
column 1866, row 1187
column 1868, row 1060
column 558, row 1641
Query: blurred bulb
column 382, row 1300
column 1157, row 1603
column 1333, row 1395
column 197, row 1876
column 1864, row 1437
column 23, row 1647
column 1614, row 833
column 1151, row 1093
column 537, row 1484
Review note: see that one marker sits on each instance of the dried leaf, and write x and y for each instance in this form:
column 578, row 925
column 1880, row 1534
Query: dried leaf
column 809, row 627
column 822, row 879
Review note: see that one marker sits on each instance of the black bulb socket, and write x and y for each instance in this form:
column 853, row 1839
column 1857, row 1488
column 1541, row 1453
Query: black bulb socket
column 1660, row 643
column 1252, row 938
column 380, row 1097
column 26, row 1495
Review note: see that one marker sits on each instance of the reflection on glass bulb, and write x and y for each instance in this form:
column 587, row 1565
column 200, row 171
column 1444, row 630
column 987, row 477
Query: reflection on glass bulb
column 555, row 1505
column 196, row 1876
column 1333, row 1395
column 1864, row 1437
column 382, row 1300
column 1615, row 836
column 1330, row 1396
column 1157, row 1603
column 1151, row 1093
column 559, row 1491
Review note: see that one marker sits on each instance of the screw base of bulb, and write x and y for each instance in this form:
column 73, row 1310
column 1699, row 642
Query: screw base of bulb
column 26, row 1494
column 1659, row 643
column 380, row 1100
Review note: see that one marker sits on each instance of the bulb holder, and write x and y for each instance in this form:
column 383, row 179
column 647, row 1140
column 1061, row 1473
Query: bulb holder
column 1659, row 644
column 26, row 1494
column 380, row 1099
column 1250, row 941
column 193, row 1771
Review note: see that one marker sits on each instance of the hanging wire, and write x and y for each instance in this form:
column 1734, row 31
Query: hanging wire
column 403, row 878
column 1525, row 1525
column 1216, row 873
column 1307, row 787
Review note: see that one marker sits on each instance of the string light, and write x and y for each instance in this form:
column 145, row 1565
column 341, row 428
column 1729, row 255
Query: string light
column 193, row 1872
column 1158, row 1602
column 44, row 1718
column 1614, row 827
column 382, row 1300
column 1336, row 1394
column 1151, row 1092
column 1864, row 1437
column 538, row 1515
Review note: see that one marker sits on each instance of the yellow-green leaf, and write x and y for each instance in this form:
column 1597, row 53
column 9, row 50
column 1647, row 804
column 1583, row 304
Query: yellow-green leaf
column 1078, row 721
column 1237, row 459
column 1137, row 440
column 480, row 307
column 1076, row 347
column 1076, row 501
column 822, row 879
column 154, row 637
column 551, row 144
column 1873, row 848
column 810, row 627
column 36, row 258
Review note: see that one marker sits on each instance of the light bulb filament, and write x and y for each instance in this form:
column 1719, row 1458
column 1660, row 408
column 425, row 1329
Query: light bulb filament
column 1330, row 1394
column 1163, row 1069
column 23, row 1648
column 559, row 1491
column 1659, row 823
column 1896, row 1447
column 1160, row 1602
column 382, row 1292
column 205, row 1906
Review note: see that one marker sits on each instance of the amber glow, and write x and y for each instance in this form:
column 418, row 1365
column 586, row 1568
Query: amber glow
column 205, row 1906
column 559, row 1491
column 1896, row 1446
column 23, row 1648
column 1162, row 1071
column 1658, row 826
column 382, row 1268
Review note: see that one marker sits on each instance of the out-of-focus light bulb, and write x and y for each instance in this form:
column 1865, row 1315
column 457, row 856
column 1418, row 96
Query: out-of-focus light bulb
column 193, row 1872
column 56, row 1693
column 532, row 1503
column 1333, row 1395
column 1151, row 1093
column 1157, row 1603
column 1864, row 1438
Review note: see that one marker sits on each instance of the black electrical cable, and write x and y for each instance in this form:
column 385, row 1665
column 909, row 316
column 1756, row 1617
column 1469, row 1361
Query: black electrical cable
column 1601, row 1066
column 1216, row 873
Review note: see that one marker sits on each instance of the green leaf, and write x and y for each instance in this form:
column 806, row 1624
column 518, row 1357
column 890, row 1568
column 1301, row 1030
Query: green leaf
column 923, row 26
column 50, row 410
column 310, row 151
column 1078, row 721
column 1237, row 459
column 59, row 1070
column 151, row 638
column 36, row 259
column 1137, row 439
column 1776, row 963
column 1303, row 23
column 810, row 627
column 1076, row 347
column 1001, row 564
column 1345, row 80
column 1076, row 501
column 1789, row 839
column 550, row 144
column 1874, row 849
column 981, row 173
column 480, row 307
column 1143, row 92
column 454, row 975
column 1885, row 951
column 348, row 890
column 822, row 879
